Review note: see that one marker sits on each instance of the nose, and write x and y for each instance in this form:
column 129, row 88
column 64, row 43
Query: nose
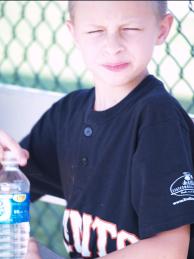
column 113, row 44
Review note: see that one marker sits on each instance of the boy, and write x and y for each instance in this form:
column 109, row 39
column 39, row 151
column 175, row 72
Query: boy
column 120, row 153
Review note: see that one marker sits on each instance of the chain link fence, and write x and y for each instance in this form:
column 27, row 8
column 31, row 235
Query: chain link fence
column 37, row 51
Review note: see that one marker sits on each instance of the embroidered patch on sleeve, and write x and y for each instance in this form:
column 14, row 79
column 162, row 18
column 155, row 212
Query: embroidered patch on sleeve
column 183, row 187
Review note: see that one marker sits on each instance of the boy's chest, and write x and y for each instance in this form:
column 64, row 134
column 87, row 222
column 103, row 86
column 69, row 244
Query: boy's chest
column 84, row 145
column 101, row 154
column 97, row 163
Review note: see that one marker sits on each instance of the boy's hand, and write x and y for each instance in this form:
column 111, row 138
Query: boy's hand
column 8, row 143
column 33, row 251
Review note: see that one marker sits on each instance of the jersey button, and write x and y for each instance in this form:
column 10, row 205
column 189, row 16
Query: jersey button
column 84, row 161
column 88, row 131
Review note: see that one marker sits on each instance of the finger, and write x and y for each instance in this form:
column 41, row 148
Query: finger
column 7, row 142
column 24, row 157
column 33, row 245
column 33, row 250
column 1, row 153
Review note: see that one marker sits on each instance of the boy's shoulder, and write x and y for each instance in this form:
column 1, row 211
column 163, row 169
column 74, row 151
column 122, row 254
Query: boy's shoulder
column 158, row 105
column 157, row 94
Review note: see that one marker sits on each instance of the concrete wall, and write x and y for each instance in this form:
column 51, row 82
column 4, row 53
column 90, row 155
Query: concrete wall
column 21, row 107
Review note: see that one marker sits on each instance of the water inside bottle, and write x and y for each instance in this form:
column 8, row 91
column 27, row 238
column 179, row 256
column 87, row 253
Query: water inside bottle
column 14, row 232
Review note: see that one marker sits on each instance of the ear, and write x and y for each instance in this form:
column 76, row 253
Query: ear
column 71, row 28
column 164, row 29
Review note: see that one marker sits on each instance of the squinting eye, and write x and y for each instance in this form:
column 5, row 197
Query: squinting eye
column 97, row 31
column 131, row 29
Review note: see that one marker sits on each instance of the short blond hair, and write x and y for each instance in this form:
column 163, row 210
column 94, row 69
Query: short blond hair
column 160, row 6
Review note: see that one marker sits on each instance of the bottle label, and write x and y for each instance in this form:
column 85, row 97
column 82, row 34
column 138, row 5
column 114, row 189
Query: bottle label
column 14, row 208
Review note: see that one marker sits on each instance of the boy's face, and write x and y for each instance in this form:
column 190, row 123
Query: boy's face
column 117, row 38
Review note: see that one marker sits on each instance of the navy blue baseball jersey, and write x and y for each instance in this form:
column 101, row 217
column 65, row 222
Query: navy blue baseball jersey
column 126, row 172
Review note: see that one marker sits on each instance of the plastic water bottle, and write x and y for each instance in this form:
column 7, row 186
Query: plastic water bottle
column 14, row 209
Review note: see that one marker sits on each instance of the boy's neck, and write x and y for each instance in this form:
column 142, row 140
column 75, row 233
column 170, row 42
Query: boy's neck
column 108, row 96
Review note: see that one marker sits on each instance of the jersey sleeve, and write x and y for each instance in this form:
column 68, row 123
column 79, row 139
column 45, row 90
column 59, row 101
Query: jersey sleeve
column 162, row 173
column 42, row 168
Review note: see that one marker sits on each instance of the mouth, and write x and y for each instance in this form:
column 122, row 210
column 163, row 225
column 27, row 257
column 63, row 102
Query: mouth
column 117, row 67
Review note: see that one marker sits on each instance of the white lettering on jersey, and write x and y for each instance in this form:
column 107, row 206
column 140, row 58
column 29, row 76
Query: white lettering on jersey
column 103, row 229
column 66, row 234
column 82, row 228
column 76, row 226
column 124, row 237
column 87, row 223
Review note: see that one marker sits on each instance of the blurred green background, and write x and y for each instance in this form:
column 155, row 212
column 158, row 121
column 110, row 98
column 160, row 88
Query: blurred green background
column 37, row 51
